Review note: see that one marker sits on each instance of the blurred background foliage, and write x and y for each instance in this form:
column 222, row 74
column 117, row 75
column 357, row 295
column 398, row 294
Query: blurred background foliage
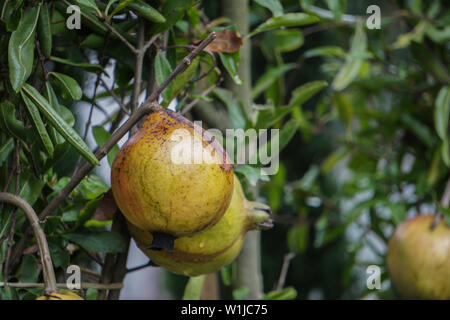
column 363, row 115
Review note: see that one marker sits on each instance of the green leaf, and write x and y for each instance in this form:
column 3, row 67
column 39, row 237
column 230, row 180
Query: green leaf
column 38, row 124
column 5, row 150
column 416, row 35
column 44, row 31
column 88, row 211
column 297, row 238
column 226, row 274
column 162, row 71
column 288, row 40
column 350, row 69
column 325, row 51
column 337, row 7
column 9, row 123
column 441, row 121
column 235, row 110
column 91, row 5
column 146, row 11
column 21, row 48
column 92, row 187
column 288, row 293
column 229, row 61
column 91, row 294
column 103, row 241
column 286, row 20
column 438, row 35
column 173, row 11
column 418, row 128
column 329, row 163
column 69, row 87
column 445, row 151
column 241, row 293
column 442, row 112
column 305, row 92
column 287, row 132
column 59, row 124
column 101, row 136
column 268, row 78
column 180, row 82
column 273, row 5
column 251, row 173
column 119, row 7
column 30, row 187
column 28, row 271
column 193, row 288
column 86, row 66
column 110, row 3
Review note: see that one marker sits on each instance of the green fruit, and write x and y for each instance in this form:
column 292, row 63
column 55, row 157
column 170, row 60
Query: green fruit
column 210, row 250
column 419, row 259
column 156, row 187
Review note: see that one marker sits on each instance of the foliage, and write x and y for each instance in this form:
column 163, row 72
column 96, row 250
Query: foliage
column 363, row 117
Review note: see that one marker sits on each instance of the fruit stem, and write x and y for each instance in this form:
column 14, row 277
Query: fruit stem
column 259, row 215
column 47, row 265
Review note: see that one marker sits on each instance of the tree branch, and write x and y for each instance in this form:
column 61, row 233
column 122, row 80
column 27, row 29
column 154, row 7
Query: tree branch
column 84, row 285
column 47, row 265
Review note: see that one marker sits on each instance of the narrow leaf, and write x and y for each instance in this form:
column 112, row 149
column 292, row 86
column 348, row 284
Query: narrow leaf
column 44, row 31
column 70, row 88
column 352, row 65
column 305, row 92
column 86, row 66
column 273, row 5
column 38, row 124
column 104, row 241
column 229, row 61
column 146, row 11
column 63, row 128
column 5, row 150
column 268, row 78
column 235, row 110
column 162, row 71
column 442, row 112
column 286, row 20
column 21, row 48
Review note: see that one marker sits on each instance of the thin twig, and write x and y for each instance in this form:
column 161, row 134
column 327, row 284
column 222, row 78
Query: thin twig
column 91, row 273
column 148, row 264
column 121, row 38
column 114, row 96
column 195, row 101
column 47, row 265
column 140, row 54
column 286, row 261
column 84, row 285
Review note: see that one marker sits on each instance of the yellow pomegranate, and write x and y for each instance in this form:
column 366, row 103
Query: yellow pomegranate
column 172, row 176
column 212, row 249
column 61, row 296
column 419, row 259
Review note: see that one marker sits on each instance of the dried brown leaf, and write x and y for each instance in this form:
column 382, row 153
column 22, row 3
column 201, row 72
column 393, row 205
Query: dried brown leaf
column 106, row 209
column 225, row 41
